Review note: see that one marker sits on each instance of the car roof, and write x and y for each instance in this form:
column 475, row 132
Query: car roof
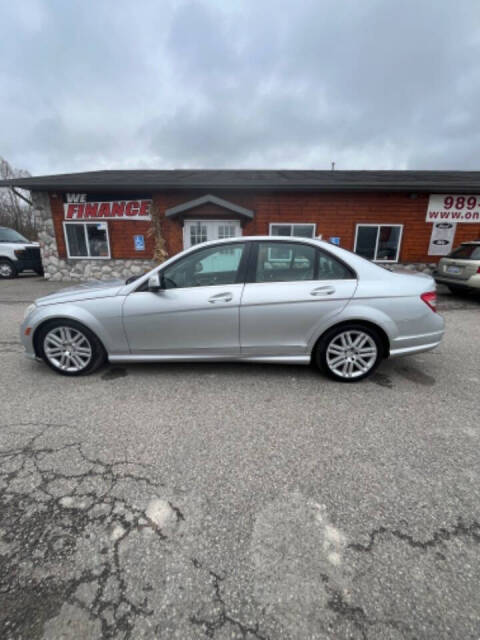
column 268, row 238
column 471, row 242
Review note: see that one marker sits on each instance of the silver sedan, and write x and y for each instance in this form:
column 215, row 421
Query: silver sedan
column 255, row 299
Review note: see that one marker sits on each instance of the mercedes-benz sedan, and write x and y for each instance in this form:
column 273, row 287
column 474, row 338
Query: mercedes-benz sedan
column 254, row 299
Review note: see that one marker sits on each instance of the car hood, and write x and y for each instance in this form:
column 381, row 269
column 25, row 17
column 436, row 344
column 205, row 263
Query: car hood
column 95, row 289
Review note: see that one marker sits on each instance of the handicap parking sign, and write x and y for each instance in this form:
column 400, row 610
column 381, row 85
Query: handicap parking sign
column 335, row 240
column 139, row 242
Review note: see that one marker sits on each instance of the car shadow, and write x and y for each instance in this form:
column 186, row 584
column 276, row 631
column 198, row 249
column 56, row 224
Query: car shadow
column 210, row 370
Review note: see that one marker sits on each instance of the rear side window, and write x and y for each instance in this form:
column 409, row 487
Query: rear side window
column 284, row 262
column 466, row 252
column 290, row 262
column 329, row 268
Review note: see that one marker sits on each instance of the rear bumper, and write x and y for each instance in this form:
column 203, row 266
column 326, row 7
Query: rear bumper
column 470, row 283
column 406, row 351
column 404, row 345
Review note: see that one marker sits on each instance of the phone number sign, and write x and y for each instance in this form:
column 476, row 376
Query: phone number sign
column 453, row 208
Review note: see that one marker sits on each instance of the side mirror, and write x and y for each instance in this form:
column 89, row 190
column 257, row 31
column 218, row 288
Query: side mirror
column 154, row 282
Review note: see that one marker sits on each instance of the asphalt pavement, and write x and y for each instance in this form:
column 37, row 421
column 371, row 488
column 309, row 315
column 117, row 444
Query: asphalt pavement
column 244, row 501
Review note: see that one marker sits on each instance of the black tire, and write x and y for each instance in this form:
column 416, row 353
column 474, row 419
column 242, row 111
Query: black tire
column 322, row 346
column 39, row 272
column 457, row 291
column 7, row 269
column 98, row 353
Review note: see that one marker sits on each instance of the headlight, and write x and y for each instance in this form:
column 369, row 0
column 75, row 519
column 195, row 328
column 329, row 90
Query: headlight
column 29, row 310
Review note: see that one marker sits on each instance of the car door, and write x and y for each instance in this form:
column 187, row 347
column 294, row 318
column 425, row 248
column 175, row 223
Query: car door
column 197, row 309
column 292, row 288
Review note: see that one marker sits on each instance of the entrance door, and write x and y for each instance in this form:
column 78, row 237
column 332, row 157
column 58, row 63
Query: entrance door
column 197, row 231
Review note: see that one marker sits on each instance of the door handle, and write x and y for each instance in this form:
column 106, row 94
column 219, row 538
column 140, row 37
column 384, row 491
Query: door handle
column 221, row 297
column 327, row 290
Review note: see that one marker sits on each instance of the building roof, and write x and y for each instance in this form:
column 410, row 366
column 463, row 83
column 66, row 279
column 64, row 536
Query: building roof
column 208, row 199
column 276, row 180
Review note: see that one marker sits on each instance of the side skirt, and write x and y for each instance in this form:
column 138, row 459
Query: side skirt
column 302, row 359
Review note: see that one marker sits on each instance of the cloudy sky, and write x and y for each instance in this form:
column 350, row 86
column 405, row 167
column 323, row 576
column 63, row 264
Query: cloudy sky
column 95, row 84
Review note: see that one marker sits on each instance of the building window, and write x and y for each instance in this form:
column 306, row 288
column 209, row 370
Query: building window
column 378, row 242
column 87, row 239
column 303, row 230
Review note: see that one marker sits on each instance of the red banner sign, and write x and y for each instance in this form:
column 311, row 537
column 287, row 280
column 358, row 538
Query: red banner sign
column 117, row 210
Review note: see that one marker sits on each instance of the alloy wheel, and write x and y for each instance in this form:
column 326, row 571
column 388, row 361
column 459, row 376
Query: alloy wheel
column 351, row 354
column 6, row 270
column 67, row 349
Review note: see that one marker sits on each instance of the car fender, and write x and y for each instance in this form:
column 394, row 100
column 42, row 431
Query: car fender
column 353, row 311
column 111, row 336
column 7, row 251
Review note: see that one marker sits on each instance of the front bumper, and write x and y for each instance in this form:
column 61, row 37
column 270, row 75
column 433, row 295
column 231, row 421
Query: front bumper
column 29, row 263
column 27, row 340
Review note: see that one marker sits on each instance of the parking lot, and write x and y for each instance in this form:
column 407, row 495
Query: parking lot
column 240, row 501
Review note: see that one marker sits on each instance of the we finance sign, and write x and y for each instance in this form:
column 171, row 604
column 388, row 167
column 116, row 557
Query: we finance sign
column 77, row 207
column 453, row 208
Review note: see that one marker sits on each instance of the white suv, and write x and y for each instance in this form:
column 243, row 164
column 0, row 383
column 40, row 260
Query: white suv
column 18, row 254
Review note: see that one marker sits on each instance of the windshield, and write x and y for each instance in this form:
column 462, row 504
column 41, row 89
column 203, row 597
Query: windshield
column 10, row 235
column 466, row 252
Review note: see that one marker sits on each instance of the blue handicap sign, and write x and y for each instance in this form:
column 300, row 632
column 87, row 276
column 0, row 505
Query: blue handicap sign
column 139, row 242
column 335, row 240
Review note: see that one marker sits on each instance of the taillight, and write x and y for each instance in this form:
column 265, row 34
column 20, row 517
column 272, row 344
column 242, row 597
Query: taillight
column 478, row 270
column 430, row 298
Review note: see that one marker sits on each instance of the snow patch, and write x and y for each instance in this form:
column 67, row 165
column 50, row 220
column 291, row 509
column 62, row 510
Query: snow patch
column 159, row 512
column 68, row 502
column 117, row 532
column 333, row 539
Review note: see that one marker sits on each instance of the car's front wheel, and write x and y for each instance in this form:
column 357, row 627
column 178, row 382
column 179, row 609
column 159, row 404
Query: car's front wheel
column 69, row 348
column 7, row 269
column 349, row 353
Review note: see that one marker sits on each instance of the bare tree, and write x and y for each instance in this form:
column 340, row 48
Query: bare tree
column 15, row 212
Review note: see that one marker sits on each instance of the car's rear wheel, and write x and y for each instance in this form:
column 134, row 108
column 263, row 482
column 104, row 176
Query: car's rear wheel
column 350, row 352
column 7, row 269
column 69, row 348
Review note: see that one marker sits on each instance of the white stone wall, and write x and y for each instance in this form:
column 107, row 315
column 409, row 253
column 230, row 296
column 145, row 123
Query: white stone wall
column 57, row 268
column 424, row 267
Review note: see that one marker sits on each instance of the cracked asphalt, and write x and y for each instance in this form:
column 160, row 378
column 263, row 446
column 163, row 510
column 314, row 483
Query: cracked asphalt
column 240, row 501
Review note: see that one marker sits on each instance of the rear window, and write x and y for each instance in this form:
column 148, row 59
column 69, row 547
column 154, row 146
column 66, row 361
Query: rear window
column 466, row 252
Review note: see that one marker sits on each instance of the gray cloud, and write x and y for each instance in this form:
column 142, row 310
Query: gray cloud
column 371, row 84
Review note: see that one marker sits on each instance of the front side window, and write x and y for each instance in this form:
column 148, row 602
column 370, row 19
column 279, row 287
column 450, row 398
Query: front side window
column 305, row 230
column 87, row 240
column 205, row 268
column 284, row 262
column 378, row 242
